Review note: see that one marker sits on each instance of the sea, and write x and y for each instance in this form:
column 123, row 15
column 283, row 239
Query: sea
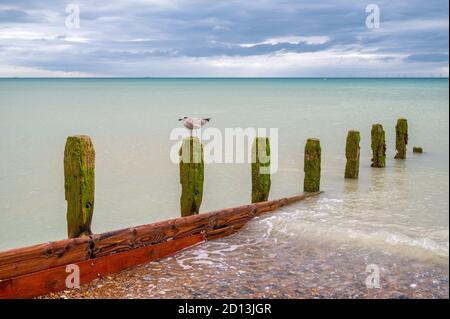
column 392, row 221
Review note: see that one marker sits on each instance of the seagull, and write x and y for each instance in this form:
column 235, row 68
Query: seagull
column 194, row 123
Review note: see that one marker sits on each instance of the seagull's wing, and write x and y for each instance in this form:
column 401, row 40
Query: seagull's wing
column 205, row 120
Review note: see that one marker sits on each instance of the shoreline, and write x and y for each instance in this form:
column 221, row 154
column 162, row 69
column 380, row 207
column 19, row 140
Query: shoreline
column 319, row 270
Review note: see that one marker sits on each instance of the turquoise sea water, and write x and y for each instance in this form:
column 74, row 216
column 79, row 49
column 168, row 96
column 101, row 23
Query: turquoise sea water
column 402, row 209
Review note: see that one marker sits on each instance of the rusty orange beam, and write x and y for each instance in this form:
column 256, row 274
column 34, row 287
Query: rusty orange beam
column 54, row 279
column 36, row 270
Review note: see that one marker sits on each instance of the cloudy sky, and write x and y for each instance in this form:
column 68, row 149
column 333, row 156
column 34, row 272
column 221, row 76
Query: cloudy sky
column 249, row 38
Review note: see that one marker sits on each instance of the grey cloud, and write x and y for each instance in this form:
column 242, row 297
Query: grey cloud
column 14, row 15
column 427, row 58
column 140, row 33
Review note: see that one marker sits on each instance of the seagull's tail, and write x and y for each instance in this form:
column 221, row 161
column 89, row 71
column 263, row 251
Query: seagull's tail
column 207, row 119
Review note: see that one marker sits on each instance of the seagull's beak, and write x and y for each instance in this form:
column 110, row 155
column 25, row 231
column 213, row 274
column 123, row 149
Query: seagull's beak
column 180, row 119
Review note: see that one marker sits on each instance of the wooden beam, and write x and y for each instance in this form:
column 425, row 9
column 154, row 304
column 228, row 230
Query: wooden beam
column 54, row 279
column 46, row 263
column 34, row 258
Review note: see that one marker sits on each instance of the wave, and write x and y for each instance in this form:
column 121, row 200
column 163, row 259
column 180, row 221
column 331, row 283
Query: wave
column 351, row 233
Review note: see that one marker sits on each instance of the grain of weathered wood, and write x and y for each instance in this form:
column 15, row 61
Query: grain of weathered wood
column 16, row 262
column 54, row 279
column 130, row 238
column 223, row 232
column 113, row 242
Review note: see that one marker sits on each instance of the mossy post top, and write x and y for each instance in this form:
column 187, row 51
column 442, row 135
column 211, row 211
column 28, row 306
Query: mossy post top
column 354, row 134
column 312, row 144
column 80, row 137
column 377, row 126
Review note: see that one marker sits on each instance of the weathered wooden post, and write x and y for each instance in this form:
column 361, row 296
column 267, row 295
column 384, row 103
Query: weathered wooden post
column 401, row 138
column 417, row 149
column 79, row 176
column 191, row 175
column 312, row 165
column 260, row 169
column 352, row 153
column 378, row 146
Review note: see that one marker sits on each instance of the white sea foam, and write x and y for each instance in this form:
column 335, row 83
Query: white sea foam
column 300, row 223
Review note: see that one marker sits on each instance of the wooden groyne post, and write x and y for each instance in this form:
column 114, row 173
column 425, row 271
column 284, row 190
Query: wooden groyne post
column 312, row 166
column 260, row 169
column 352, row 153
column 378, row 146
column 79, row 184
column 191, row 175
column 401, row 138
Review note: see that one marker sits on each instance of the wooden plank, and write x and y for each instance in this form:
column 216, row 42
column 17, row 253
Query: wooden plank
column 146, row 235
column 131, row 238
column 223, row 232
column 35, row 258
column 113, row 242
column 25, row 260
column 54, row 279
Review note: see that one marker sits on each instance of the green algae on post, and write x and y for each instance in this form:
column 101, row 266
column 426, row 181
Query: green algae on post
column 260, row 169
column 378, row 146
column 417, row 149
column 401, row 138
column 191, row 175
column 312, row 165
column 79, row 177
column 352, row 153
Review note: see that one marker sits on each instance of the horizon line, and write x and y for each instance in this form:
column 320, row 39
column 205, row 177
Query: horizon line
column 226, row 77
